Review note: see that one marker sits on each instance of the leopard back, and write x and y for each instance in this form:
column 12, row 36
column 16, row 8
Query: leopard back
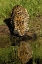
column 20, row 19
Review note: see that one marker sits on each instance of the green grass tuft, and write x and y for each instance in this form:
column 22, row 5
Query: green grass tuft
column 33, row 6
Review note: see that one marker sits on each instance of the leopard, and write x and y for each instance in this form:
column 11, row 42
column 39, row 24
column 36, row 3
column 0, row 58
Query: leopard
column 20, row 20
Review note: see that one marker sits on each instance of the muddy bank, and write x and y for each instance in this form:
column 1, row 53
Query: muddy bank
column 4, row 36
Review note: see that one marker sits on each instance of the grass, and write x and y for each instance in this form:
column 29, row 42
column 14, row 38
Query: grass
column 34, row 8
column 5, row 41
column 8, row 55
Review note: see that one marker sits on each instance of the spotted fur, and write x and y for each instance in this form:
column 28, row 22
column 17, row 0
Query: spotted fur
column 19, row 18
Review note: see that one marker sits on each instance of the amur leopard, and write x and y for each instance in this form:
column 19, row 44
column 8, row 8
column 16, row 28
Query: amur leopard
column 20, row 20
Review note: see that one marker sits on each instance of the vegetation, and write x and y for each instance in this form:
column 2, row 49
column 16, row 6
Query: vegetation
column 34, row 8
